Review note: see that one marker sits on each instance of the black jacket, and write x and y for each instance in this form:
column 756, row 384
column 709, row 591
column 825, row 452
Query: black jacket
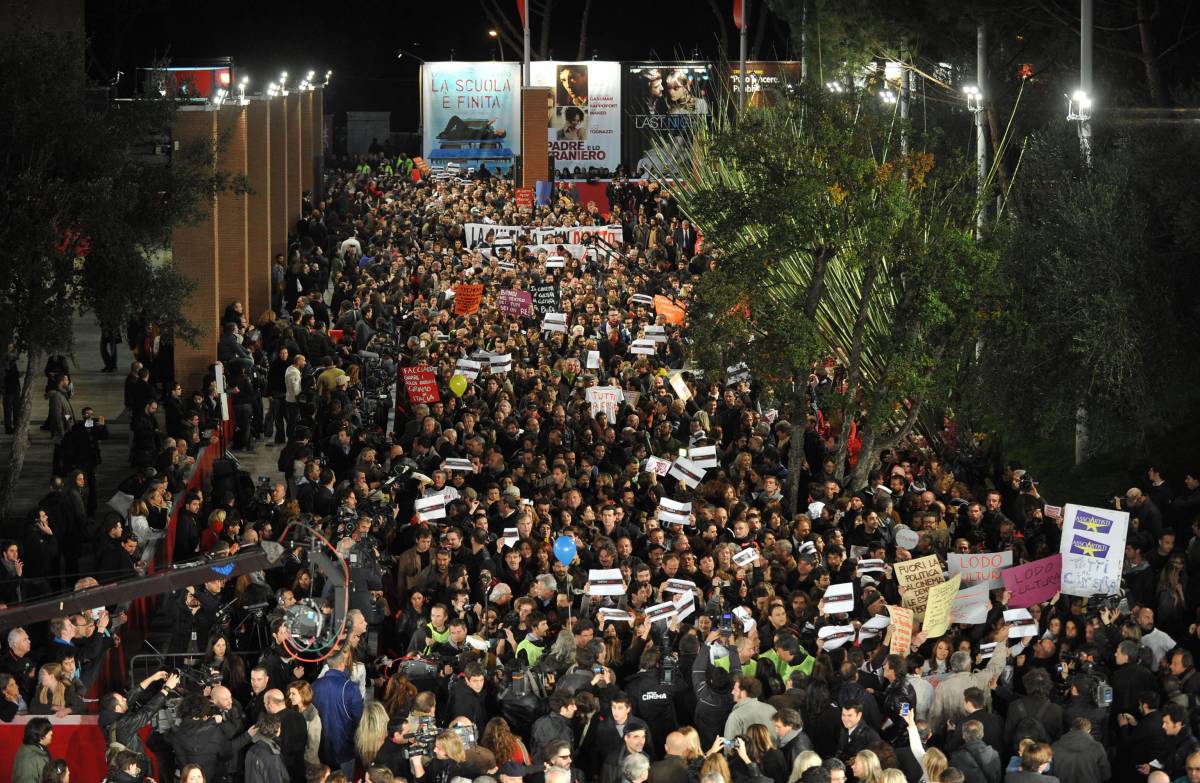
column 979, row 762
column 122, row 727
column 203, row 743
column 264, row 762
column 861, row 739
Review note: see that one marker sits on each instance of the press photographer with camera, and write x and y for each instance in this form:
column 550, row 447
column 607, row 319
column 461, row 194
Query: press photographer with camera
column 123, row 716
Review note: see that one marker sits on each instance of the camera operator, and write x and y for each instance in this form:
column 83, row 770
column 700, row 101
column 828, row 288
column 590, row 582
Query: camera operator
column 122, row 717
column 270, row 508
column 447, row 763
column 199, row 739
column 193, row 620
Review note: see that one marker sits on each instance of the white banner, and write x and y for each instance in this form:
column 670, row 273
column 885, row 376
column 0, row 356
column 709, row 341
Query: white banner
column 470, row 105
column 605, row 399
column 1093, row 549
column 584, row 111
column 545, row 238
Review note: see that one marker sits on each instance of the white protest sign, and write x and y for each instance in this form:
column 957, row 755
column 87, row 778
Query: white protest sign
column 980, row 567
column 605, row 399
column 746, row 557
column 687, row 471
column 1093, row 550
column 657, row 466
column 430, row 508
column 835, row 636
column 839, row 598
column 970, row 605
column 605, row 581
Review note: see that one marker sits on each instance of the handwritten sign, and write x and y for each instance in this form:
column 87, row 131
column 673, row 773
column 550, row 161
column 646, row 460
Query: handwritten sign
column 657, row 466
column 1032, row 583
column 524, row 197
column 976, row 568
column 668, row 311
column 516, row 303
column 1093, row 549
column 901, row 630
column 421, row 384
column 467, row 298
column 917, row 577
column 545, row 297
column 970, row 605
column 937, row 610
column 605, row 399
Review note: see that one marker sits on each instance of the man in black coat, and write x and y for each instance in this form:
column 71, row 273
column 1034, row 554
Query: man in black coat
column 856, row 734
column 993, row 724
column 467, row 698
column 81, row 450
column 199, row 740
column 265, row 760
column 122, row 717
column 1130, row 679
column 292, row 737
column 1140, row 738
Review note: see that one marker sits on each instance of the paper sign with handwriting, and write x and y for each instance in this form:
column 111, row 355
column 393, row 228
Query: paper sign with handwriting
column 1032, row 583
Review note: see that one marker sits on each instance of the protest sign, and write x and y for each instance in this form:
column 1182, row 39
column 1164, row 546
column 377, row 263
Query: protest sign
column 704, row 456
column 746, row 558
column 1021, row 624
column 468, row 369
column 554, row 322
column 421, row 383
column 605, row 399
column 431, row 507
column 1032, row 583
column 678, row 586
column 510, row 537
column 835, row 636
column 874, row 627
column 593, row 360
column 524, row 197
column 671, row 512
column 839, row 599
column 467, row 297
column 937, row 610
column 1093, row 549
column 605, row 581
column 976, row 568
column 685, row 605
column 656, row 333
column 545, row 297
column 500, row 362
column 970, row 605
column 680, row 387
column 614, row 615
column 907, row 538
column 663, row 611
column 657, row 466
column 687, row 471
column 916, row 577
column 516, row 303
column 643, row 347
column 901, row 630
column 457, row 464
column 668, row 311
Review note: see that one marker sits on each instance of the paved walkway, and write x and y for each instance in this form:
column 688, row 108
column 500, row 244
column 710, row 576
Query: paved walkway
column 105, row 392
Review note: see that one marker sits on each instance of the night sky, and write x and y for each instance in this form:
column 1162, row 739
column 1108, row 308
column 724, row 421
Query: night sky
column 358, row 40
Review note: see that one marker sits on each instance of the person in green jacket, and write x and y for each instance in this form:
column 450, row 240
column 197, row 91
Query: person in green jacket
column 533, row 646
column 33, row 756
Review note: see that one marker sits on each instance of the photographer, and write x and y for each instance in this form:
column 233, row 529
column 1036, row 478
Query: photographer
column 448, row 762
column 122, row 717
column 275, row 659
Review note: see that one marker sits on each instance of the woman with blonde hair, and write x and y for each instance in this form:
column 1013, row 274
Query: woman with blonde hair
column 56, row 694
column 371, row 733
column 715, row 761
column 865, row 767
column 933, row 764
column 804, row 762
column 892, row 776
column 448, row 760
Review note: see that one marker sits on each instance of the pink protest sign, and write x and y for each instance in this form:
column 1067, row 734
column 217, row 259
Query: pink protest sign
column 1032, row 583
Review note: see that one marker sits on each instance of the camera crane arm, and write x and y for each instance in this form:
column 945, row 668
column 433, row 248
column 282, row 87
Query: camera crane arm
column 266, row 555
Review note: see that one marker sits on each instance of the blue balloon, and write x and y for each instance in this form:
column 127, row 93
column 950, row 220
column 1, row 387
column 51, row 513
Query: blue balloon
column 564, row 549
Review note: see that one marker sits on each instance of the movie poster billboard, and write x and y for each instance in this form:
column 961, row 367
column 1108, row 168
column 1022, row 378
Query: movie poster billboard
column 584, row 111
column 468, row 106
column 663, row 102
column 767, row 81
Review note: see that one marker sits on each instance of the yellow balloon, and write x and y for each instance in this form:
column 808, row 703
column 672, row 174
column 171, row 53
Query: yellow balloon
column 458, row 385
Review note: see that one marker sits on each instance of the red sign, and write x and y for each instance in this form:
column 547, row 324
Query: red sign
column 524, row 197
column 467, row 297
column 421, row 383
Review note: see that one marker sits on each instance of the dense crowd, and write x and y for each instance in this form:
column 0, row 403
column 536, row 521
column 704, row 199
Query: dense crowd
column 477, row 645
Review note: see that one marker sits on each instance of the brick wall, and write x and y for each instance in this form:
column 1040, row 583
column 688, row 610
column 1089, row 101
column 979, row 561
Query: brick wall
column 279, row 176
column 195, row 256
column 294, row 158
column 534, row 135
column 319, row 142
column 232, row 234
column 307, row 140
column 258, row 217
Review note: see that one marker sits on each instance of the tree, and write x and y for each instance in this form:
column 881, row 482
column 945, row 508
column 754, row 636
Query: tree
column 1099, row 290
column 85, row 213
column 833, row 245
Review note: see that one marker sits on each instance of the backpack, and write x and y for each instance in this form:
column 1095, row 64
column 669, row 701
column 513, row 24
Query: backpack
column 1030, row 725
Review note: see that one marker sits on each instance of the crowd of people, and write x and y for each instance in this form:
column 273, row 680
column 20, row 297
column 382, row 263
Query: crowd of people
column 476, row 645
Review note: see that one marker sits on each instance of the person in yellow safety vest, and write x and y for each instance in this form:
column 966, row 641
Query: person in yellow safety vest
column 533, row 646
column 787, row 657
column 432, row 633
column 747, row 647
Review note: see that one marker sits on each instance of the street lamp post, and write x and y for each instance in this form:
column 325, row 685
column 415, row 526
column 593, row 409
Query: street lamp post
column 499, row 40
